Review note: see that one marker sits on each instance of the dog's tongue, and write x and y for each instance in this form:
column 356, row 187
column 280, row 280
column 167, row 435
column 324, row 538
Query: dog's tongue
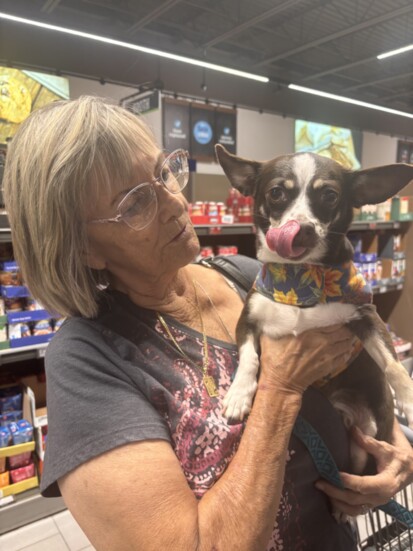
column 280, row 240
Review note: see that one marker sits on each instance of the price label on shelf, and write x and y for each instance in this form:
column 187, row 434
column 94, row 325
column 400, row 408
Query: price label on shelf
column 215, row 230
column 41, row 352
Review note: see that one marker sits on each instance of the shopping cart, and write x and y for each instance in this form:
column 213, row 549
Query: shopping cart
column 375, row 529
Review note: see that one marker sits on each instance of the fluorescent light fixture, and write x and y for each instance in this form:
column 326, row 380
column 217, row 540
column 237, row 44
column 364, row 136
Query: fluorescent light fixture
column 396, row 52
column 350, row 100
column 135, row 47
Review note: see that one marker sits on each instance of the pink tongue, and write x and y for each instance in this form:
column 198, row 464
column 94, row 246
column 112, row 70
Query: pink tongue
column 280, row 240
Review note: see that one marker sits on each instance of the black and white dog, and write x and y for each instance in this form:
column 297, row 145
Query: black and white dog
column 303, row 207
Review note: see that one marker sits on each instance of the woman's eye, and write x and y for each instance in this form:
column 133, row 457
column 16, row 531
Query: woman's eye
column 277, row 194
column 165, row 174
column 329, row 196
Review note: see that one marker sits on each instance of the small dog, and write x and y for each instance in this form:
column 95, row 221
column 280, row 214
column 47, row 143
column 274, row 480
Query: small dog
column 303, row 207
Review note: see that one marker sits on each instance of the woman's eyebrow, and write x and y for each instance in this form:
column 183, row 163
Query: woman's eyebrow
column 159, row 161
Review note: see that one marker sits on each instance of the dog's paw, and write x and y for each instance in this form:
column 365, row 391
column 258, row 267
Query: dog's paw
column 238, row 402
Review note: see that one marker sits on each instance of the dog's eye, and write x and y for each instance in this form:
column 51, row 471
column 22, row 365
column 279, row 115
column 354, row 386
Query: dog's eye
column 277, row 194
column 329, row 196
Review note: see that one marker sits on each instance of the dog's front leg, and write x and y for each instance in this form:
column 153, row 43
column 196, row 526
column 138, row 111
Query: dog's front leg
column 238, row 401
column 372, row 331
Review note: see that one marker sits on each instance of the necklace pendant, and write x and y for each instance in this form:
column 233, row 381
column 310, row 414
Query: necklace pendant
column 210, row 385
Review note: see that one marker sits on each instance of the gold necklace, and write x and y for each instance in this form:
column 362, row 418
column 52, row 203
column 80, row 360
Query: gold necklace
column 207, row 379
column 221, row 321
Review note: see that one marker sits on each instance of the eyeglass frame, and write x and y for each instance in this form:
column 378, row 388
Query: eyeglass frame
column 120, row 217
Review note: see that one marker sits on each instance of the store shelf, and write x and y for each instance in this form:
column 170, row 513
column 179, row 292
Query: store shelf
column 11, row 355
column 231, row 229
column 361, row 225
column 27, row 507
column 224, row 229
column 381, row 288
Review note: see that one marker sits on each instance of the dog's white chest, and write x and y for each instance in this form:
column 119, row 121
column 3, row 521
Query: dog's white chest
column 276, row 319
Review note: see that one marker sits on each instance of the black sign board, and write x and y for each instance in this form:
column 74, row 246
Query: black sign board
column 202, row 132
column 226, row 128
column 175, row 124
column 143, row 102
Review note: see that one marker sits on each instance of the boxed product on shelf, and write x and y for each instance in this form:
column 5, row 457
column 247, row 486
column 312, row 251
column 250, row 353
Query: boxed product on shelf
column 402, row 208
column 369, row 212
column 384, row 210
column 35, row 332
column 365, row 247
column 35, row 393
column 16, row 444
column 392, row 245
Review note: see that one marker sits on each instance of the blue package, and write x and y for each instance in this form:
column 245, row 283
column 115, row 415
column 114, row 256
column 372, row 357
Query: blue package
column 10, row 416
column 21, row 432
column 5, row 437
column 10, row 399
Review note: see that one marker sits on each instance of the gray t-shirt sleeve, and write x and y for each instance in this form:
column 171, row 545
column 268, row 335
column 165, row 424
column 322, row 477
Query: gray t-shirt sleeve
column 93, row 404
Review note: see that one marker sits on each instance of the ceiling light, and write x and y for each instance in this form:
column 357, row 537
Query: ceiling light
column 135, row 47
column 395, row 52
column 349, row 100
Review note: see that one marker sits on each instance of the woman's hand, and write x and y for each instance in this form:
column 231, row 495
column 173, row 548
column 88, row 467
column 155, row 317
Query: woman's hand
column 294, row 363
column 394, row 472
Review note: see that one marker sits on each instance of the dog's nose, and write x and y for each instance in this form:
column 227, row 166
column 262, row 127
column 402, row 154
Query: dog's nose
column 306, row 237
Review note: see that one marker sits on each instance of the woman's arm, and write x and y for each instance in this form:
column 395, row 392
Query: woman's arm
column 394, row 472
column 136, row 497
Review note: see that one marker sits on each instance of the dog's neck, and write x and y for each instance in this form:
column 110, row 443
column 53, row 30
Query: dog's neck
column 339, row 251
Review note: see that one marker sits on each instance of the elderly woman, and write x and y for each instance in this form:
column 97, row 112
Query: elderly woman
column 138, row 445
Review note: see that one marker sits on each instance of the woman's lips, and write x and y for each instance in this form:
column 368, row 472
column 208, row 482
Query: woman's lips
column 178, row 235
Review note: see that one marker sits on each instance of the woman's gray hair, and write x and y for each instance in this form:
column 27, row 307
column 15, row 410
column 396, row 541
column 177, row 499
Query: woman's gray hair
column 59, row 159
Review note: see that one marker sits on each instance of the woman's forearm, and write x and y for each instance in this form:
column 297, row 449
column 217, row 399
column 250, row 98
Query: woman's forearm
column 239, row 511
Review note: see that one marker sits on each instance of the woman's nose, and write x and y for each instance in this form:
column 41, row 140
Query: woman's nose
column 170, row 205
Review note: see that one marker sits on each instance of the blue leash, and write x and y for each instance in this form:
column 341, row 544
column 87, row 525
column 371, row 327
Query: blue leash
column 328, row 470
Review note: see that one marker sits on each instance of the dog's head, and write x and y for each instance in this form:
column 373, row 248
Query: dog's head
column 303, row 203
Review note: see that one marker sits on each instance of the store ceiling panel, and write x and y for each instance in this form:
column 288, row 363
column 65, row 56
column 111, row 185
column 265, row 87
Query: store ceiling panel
column 327, row 45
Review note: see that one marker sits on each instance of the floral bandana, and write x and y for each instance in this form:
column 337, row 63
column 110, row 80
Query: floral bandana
column 306, row 285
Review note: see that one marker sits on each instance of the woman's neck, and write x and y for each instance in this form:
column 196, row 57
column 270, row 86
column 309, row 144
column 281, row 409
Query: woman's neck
column 171, row 294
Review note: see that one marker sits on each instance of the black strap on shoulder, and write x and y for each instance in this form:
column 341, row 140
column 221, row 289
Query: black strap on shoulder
column 241, row 270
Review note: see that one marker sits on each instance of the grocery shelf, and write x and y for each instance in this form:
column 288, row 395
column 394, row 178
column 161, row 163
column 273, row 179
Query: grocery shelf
column 224, row 229
column 233, row 229
column 381, row 288
column 242, row 229
column 11, row 355
column 363, row 225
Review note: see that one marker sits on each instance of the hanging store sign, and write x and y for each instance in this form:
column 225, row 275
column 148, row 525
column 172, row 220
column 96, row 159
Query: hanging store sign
column 175, row 124
column 226, row 128
column 142, row 102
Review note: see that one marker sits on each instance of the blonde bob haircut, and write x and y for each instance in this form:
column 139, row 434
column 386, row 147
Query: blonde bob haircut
column 59, row 159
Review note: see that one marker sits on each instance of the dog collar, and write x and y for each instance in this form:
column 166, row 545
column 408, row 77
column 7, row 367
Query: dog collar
column 307, row 285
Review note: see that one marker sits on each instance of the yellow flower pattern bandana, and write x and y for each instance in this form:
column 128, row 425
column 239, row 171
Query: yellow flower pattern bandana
column 307, row 285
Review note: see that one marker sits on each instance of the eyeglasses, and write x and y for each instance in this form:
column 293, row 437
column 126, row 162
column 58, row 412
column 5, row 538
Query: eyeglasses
column 139, row 206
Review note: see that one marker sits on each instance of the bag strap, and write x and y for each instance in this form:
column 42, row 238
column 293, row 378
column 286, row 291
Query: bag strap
column 230, row 267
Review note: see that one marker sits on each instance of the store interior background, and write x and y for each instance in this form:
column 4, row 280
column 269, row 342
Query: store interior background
column 327, row 45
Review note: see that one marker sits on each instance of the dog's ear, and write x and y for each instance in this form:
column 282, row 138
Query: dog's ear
column 242, row 173
column 375, row 185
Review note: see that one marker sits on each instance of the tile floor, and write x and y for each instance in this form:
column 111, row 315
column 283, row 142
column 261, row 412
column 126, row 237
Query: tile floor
column 56, row 533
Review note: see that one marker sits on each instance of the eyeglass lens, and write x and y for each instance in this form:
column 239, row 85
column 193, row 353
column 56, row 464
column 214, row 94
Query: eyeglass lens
column 175, row 171
column 139, row 207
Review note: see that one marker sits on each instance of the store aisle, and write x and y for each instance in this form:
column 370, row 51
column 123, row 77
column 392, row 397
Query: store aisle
column 56, row 533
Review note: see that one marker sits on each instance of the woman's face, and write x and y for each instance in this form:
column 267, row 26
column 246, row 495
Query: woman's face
column 132, row 256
